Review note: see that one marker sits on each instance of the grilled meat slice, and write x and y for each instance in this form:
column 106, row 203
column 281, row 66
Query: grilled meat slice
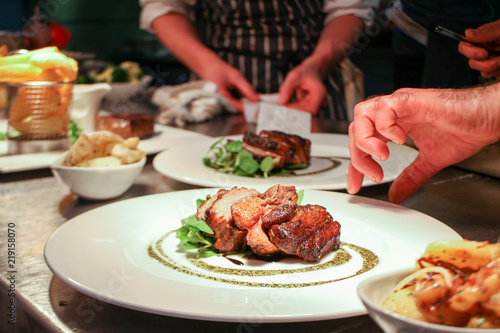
column 310, row 234
column 204, row 209
column 278, row 195
column 285, row 148
column 259, row 242
column 278, row 215
column 296, row 149
column 246, row 212
column 219, row 219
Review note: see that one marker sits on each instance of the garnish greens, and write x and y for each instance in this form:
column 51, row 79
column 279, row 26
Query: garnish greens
column 231, row 158
column 74, row 131
column 192, row 235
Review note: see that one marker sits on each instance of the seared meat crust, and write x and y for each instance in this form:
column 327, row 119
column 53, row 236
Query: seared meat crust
column 285, row 148
column 310, row 234
column 279, row 215
column 246, row 212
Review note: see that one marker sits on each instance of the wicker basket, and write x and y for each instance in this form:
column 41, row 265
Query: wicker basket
column 38, row 110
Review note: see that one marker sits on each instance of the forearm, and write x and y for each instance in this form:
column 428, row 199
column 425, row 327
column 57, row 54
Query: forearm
column 490, row 95
column 178, row 35
column 336, row 38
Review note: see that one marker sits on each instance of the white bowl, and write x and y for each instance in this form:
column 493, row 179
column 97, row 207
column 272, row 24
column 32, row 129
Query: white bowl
column 373, row 291
column 97, row 183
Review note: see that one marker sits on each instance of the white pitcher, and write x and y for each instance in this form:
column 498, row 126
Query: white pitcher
column 86, row 103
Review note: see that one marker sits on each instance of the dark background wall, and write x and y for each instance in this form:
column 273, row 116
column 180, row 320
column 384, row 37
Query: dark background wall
column 110, row 30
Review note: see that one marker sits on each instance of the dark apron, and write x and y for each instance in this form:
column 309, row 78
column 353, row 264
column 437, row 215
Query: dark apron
column 265, row 39
column 444, row 66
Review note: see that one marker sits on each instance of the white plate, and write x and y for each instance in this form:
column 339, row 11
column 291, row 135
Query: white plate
column 104, row 253
column 163, row 138
column 184, row 163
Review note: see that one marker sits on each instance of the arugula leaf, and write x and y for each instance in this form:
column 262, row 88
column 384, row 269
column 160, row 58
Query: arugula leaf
column 3, row 136
column 266, row 165
column 234, row 146
column 246, row 163
column 191, row 236
column 300, row 193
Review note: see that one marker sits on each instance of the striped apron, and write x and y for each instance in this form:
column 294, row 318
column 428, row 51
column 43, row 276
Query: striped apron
column 265, row 39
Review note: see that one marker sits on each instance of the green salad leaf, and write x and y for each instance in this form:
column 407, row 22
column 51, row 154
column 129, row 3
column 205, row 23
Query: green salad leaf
column 192, row 235
column 74, row 131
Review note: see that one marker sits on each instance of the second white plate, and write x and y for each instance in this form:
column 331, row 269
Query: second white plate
column 184, row 163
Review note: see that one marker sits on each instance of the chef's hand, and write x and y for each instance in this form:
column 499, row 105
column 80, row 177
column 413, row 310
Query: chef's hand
column 305, row 83
column 479, row 58
column 446, row 125
column 228, row 79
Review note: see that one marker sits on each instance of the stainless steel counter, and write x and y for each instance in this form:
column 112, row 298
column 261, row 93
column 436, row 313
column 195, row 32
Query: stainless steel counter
column 34, row 204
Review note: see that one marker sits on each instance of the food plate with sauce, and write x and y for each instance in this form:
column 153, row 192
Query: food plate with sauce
column 163, row 138
column 125, row 253
column 327, row 169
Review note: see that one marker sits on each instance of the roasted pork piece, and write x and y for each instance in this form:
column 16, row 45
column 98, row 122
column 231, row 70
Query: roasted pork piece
column 269, row 223
column 286, row 149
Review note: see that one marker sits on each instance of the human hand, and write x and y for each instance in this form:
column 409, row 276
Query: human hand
column 479, row 58
column 306, row 83
column 446, row 125
column 228, row 78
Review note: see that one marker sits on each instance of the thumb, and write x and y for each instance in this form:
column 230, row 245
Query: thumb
column 410, row 180
column 286, row 92
column 485, row 34
column 246, row 90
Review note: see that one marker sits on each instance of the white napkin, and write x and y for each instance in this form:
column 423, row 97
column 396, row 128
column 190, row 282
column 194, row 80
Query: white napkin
column 191, row 102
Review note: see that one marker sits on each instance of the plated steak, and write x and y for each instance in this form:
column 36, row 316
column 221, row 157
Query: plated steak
column 127, row 125
column 269, row 223
column 286, row 149
column 310, row 233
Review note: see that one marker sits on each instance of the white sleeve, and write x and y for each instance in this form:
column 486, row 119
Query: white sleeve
column 151, row 9
column 364, row 9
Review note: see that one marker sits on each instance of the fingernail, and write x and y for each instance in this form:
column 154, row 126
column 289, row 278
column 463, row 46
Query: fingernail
column 371, row 178
column 481, row 55
column 470, row 31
